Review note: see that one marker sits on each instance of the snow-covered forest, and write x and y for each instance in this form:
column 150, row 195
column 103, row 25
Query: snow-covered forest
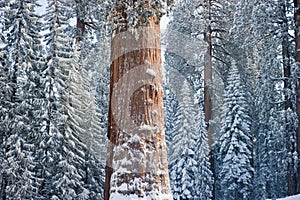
column 149, row 99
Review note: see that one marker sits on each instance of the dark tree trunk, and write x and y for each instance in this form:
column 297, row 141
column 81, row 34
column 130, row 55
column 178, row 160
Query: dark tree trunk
column 291, row 176
column 80, row 29
column 297, row 57
column 208, row 76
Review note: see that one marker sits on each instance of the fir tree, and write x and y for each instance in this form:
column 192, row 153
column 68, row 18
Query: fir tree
column 95, row 71
column 23, row 46
column 172, row 120
column 270, row 150
column 63, row 151
column 183, row 160
column 235, row 152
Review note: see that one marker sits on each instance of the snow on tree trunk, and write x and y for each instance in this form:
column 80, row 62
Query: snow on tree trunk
column 136, row 165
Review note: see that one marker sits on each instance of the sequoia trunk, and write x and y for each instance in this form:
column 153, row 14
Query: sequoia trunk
column 136, row 159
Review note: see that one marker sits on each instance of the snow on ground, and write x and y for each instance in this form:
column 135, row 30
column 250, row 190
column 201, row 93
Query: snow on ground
column 296, row 197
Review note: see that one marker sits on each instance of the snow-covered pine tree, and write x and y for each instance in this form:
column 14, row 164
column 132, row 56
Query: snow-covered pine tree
column 240, row 44
column 217, row 16
column 223, row 49
column 21, row 33
column 270, row 142
column 5, row 101
column 183, row 58
column 94, row 61
column 63, row 157
column 235, row 170
column 84, row 123
column 6, row 111
column 183, row 62
column 184, row 46
column 184, row 163
column 285, row 8
column 172, row 120
column 183, row 171
column 297, row 58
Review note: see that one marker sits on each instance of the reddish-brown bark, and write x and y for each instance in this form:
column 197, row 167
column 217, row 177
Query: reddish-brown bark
column 136, row 78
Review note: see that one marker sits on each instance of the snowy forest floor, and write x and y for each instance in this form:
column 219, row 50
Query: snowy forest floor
column 296, row 197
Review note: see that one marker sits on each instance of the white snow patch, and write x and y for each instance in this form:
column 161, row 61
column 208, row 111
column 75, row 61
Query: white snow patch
column 146, row 128
column 118, row 196
column 156, row 88
column 154, row 112
column 135, row 138
column 148, row 101
column 151, row 72
column 296, row 197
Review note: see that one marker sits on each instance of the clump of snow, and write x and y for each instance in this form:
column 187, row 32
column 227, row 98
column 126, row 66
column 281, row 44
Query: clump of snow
column 156, row 88
column 154, row 112
column 151, row 72
column 145, row 128
column 118, row 196
column 148, row 101
column 134, row 138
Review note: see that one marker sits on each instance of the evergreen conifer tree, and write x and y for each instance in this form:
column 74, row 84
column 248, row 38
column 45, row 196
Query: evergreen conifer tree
column 21, row 32
column 235, row 144
column 63, row 151
column 270, row 147
column 184, row 170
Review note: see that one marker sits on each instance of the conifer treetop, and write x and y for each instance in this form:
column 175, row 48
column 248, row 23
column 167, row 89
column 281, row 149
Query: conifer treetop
column 136, row 13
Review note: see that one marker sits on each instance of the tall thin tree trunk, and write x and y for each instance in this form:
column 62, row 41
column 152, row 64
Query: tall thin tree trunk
column 208, row 76
column 297, row 32
column 291, row 176
column 208, row 84
column 136, row 164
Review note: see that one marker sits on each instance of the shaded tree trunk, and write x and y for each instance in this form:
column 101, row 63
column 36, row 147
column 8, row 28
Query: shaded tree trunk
column 297, row 57
column 208, row 75
column 80, row 29
column 136, row 158
column 291, row 176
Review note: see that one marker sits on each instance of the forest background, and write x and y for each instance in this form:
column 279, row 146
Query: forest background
column 231, row 98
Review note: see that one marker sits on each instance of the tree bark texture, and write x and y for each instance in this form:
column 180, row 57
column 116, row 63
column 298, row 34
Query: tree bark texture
column 136, row 158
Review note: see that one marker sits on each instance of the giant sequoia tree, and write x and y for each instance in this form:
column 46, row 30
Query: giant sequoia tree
column 136, row 160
